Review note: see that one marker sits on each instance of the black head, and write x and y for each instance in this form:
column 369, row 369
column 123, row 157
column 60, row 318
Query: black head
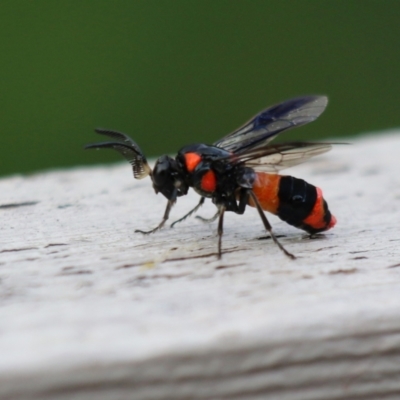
column 168, row 179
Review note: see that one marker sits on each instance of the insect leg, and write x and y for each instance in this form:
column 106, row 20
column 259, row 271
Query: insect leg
column 161, row 224
column 209, row 220
column 243, row 201
column 221, row 212
column 267, row 224
column 201, row 202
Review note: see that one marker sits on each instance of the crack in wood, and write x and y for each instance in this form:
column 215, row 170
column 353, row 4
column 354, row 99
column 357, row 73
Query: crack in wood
column 16, row 205
column 174, row 259
column 343, row 271
column 161, row 276
column 79, row 272
column 229, row 266
column 325, row 248
column 202, row 255
column 138, row 264
column 394, row 266
column 269, row 237
column 20, row 249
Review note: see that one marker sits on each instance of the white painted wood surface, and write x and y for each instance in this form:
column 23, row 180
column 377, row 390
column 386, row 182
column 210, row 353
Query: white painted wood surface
column 91, row 310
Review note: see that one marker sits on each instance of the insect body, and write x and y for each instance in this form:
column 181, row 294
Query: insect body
column 241, row 169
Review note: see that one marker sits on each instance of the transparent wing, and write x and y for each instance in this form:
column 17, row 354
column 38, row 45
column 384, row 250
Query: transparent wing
column 275, row 158
column 267, row 124
column 128, row 149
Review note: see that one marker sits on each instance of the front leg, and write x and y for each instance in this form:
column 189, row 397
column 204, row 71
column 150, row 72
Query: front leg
column 161, row 224
column 201, row 202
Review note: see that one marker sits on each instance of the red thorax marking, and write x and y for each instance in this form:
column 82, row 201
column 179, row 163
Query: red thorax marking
column 209, row 181
column 192, row 160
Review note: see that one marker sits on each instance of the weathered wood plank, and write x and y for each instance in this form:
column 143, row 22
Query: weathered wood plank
column 91, row 310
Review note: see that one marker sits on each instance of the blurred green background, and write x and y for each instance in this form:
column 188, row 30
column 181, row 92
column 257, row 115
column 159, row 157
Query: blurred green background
column 174, row 72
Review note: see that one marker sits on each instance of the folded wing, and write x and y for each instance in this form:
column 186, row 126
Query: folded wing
column 266, row 125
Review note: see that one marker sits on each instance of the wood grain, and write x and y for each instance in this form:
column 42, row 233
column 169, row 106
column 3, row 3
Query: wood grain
column 91, row 310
